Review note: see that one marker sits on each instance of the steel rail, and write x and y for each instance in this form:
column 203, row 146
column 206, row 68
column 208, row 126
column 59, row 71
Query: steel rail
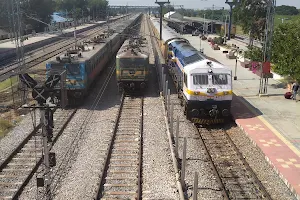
column 100, row 190
column 19, row 148
column 226, row 191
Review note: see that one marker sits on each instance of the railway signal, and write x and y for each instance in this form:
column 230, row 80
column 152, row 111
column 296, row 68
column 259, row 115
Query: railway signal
column 42, row 93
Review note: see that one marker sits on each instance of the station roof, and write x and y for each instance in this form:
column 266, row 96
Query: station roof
column 201, row 20
column 57, row 18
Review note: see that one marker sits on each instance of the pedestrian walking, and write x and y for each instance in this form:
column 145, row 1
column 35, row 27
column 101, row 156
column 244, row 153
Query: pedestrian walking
column 295, row 88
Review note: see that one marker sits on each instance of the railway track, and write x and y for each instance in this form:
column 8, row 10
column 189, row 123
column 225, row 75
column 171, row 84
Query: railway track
column 19, row 167
column 51, row 51
column 121, row 178
column 233, row 173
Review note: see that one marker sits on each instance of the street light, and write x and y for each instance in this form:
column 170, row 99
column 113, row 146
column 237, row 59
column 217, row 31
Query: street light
column 236, row 51
column 161, row 4
column 231, row 4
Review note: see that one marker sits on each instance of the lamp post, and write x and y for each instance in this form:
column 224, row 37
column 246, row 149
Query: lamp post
column 231, row 4
column 225, row 28
column 204, row 25
column 161, row 4
column 236, row 51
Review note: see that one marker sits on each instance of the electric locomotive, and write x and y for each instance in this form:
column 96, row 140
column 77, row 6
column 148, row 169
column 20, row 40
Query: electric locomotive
column 132, row 64
column 204, row 86
column 85, row 62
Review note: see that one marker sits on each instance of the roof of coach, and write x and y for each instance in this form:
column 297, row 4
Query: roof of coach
column 134, row 48
column 203, row 64
column 167, row 33
column 87, row 51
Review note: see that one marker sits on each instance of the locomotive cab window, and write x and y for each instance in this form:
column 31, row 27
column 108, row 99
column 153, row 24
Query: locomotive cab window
column 200, row 79
column 220, row 79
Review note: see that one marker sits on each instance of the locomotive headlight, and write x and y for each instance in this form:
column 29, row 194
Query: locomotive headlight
column 73, row 82
column 195, row 93
column 226, row 92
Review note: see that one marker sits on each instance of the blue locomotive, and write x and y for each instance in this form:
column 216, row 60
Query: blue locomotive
column 84, row 63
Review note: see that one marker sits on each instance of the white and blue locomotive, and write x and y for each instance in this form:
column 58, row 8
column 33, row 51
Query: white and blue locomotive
column 204, row 86
column 84, row 63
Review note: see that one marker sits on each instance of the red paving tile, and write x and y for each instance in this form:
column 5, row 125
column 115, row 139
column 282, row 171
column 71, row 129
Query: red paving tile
column 284, row 160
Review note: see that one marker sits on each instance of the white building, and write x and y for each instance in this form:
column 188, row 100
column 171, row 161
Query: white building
column 173, row 15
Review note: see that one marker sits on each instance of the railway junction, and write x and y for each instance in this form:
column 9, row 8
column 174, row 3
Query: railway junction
column 118, row 146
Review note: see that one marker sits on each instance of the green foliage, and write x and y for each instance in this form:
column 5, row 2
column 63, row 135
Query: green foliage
column 286, row 10
column 218, row 40
column 209, row 14
column 78, row 8
column 286, row 19
column 254, row 53
column 251, row 15
column 40, row 9
column 286, row 49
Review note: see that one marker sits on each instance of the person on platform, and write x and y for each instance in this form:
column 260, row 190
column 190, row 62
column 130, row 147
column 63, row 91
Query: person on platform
column 295, row 88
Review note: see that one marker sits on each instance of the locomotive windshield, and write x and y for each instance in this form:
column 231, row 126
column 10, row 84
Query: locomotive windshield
column 219, row 79
column 200, row 79
column 137, row 63
column 73, row 69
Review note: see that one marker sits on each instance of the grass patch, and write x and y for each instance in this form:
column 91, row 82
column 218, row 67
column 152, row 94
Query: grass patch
column 287, row 18
column 7, row 83
column 5, row 126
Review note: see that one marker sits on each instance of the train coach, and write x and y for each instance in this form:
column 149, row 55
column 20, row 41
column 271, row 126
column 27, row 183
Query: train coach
column 132, row 64
column 204, row 86
column 85, row 62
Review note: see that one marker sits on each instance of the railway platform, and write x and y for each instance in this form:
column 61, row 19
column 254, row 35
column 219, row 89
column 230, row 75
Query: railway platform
column 7, row 47
column 271, row 122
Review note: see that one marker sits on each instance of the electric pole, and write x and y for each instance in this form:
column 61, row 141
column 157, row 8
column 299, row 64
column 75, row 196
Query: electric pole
column 18, row 30
column 267, row 47
column 107, row 21
column 212, row 17
column 46, row 104
column 161, row 4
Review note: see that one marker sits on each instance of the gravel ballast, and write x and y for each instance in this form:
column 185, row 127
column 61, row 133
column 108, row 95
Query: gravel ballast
column 158, row 172
column 256, row 159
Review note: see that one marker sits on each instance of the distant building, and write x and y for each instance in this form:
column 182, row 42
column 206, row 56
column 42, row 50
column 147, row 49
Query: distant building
column 59, row 21
column 173, row 15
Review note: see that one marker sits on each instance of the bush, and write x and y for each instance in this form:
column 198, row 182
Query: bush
column 254, row 54
column 218, row 40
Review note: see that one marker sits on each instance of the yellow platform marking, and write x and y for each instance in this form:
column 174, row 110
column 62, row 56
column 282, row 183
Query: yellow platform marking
column 289, row 163
column 270, row 142
column 282, row 138
column 256, row 127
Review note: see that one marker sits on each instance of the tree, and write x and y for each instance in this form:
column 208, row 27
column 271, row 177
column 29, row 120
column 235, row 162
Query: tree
column 39, row 9
column 251, row 15
column 286, row 49
column 286, row 10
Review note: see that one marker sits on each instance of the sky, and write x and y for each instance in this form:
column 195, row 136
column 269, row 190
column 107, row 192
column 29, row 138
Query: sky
column 195, row 4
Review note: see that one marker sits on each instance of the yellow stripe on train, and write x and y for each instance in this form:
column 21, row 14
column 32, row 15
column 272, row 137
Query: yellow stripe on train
column 194, row 93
